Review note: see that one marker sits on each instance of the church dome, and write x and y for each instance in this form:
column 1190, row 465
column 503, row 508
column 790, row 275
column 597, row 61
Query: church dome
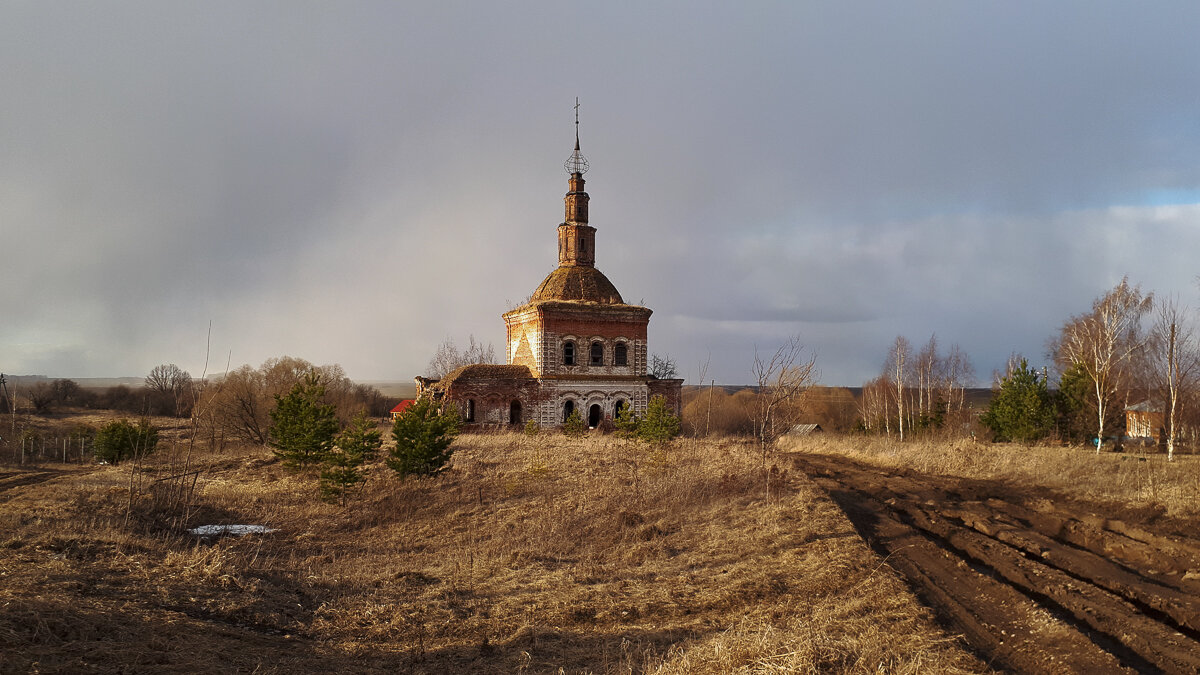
column 574, row 283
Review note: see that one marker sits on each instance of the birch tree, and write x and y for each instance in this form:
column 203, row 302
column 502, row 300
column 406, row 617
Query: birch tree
column 958, row 374
column 928, row 365
column 898, row 375
column 1103, row 344
column 1176, row 364
column 782, row 379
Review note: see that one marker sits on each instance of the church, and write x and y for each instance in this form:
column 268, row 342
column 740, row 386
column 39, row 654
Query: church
column 575, row 345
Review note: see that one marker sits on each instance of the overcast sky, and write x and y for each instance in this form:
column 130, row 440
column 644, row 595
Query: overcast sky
column 354, row 182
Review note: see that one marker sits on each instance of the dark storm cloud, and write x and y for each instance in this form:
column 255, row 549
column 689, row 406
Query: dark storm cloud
column 353, row 182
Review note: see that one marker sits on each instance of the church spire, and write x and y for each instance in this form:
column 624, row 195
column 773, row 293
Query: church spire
column 576, row 239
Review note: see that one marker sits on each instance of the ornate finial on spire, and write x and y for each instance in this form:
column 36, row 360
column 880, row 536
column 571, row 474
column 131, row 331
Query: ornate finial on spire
column 576, row 163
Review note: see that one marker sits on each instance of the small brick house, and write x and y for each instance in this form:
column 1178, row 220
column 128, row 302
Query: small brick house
column 574, row 345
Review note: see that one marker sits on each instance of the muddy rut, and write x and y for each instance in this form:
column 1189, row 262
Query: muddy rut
column 1033, row 583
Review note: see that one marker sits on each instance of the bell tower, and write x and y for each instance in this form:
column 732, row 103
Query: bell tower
column 576, row 239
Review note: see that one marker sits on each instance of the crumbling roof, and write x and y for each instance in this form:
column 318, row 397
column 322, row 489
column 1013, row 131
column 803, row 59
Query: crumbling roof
column 402, row 405
column 485, row 371
column 579, row 284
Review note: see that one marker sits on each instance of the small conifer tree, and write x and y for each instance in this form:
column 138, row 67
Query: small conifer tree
column 1023, row 409
column 626, row 422
column 342, row 467
column 658, row 425
column 573, row 426
column 302, row 425
column 423, row 436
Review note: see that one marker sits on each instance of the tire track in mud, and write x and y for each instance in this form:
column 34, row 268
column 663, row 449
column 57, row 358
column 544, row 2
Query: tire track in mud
column 10, row 480
column 1033, row 585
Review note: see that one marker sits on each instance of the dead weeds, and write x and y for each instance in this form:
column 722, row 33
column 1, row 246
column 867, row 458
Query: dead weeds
column 529, row 555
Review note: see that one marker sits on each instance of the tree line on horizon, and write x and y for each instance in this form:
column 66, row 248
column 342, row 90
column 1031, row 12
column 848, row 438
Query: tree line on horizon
column 1125, row 350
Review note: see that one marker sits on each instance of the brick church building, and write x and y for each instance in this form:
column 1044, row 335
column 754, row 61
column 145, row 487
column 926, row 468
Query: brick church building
column 574, row 345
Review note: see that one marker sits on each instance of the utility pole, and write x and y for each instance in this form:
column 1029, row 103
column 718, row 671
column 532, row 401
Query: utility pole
column 12, row 403
column 708, row 416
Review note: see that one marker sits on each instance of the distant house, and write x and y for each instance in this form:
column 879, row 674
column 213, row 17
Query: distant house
column 401, row 407
column 1144, row 420
column 805, row 430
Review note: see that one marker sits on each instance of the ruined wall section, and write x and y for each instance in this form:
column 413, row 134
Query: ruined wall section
column 489, row 401
column 525, row 343
column 672, row 390
column 586, row 393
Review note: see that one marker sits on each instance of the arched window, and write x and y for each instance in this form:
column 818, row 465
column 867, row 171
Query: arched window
column 582, row 245
column 514, row 412
column 568, row 353
column 568, row 408
column 619, row 407
column 470, row 410
column 597, row 353
column 620, row 355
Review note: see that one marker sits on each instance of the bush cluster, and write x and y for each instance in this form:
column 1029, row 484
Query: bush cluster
column 121, row 439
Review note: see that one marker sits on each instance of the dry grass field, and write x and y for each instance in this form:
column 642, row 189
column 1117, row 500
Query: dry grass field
column 531, row 554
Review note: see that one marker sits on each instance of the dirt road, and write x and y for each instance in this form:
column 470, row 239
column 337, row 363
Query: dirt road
column 1034, row 583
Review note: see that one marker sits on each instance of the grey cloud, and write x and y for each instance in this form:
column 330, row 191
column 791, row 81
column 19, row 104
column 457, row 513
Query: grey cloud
column 353, row 183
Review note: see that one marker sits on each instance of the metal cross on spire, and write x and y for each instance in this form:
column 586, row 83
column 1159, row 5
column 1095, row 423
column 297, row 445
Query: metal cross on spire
column 576, row 163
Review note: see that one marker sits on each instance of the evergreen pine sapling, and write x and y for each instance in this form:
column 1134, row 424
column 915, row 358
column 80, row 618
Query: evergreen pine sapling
column 1023, row 409
column 302, row 425
column 626, row 422
column 658, row 425
column 423, row 436
column 342, row 467
column 573, row 426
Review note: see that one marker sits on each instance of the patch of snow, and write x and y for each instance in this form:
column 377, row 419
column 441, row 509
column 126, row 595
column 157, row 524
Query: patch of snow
column 235, row 530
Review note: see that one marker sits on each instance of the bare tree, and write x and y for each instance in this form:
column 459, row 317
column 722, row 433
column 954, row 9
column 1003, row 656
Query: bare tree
column 958, row 373
column 172, row 383
column 1176, row 363
column 873, row 405
column 782, row 380
column 41, row 397
column 1104, row 342
column 928, row 364
column 662, row 366
column 447, row 358
column 239, row 405
column 898, row 375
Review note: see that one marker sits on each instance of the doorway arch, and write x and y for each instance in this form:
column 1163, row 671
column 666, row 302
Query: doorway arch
column 514, row 412
column 568, row 408
column 595, row 414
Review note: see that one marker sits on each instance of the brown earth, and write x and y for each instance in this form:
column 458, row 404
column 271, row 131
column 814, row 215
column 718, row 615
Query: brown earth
column 1035, row 580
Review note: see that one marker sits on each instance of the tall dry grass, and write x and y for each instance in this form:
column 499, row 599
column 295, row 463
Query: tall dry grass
column 1128, row 479
column 531, row 554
